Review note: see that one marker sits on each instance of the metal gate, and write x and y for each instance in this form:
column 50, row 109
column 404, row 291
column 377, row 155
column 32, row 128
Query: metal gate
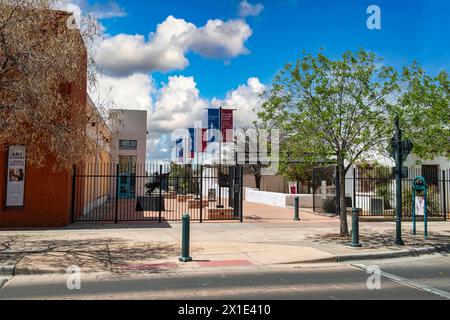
column 158, row 193
column 373, row 190
column 324, row 189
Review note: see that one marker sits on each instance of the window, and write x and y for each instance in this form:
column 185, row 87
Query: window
column 127, row 164
column 128, row 144
column 430, row 173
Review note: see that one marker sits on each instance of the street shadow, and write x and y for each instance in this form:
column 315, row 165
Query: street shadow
column 93, row 255
column 121, row 225
column 371, row 239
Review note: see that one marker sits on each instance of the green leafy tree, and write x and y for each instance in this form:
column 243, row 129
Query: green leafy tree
column 334, row 107
column 424, row 107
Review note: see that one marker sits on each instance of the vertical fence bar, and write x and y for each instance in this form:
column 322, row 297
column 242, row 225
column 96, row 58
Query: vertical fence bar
column 201, row 193
column 116, row 208
column 314, row 190
column 160, row 194
column 444, row 195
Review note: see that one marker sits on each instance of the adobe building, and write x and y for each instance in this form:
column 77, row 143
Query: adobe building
column 129, row 149
column 97, row 163
column 38, row 197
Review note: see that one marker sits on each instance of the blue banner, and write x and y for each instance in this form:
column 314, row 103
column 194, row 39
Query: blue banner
column 213, row 124
column 180, row 150
column 192, row 136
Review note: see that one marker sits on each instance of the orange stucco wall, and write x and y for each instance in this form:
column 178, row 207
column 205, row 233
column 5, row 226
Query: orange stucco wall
column 47, row 198
column 48, row 194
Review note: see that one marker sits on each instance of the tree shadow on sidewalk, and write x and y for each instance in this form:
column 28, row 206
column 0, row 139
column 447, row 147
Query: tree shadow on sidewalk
column 93, row 255
column 371, row 239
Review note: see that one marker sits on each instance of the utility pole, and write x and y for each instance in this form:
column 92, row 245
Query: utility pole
column 398, row 182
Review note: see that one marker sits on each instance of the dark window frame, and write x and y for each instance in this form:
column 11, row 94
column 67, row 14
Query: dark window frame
column 128, row 144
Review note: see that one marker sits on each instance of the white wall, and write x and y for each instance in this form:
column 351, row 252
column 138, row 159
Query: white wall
column 443, row 163
column 277, row 199
column 132, row 126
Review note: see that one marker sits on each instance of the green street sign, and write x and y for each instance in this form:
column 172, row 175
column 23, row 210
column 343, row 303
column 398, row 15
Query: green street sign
column 404, row 173
column 406, row 148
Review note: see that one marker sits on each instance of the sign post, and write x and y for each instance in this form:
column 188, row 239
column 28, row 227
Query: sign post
column 400, row 149
column 420, row 208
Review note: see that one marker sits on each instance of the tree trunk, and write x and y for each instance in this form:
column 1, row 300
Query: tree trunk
column 343, row 208
column 258, row 182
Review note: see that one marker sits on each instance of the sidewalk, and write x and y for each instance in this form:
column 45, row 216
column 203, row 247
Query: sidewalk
column 268, row 238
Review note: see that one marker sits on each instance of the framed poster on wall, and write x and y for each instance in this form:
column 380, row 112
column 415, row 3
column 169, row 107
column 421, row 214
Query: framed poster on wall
column 15, row 186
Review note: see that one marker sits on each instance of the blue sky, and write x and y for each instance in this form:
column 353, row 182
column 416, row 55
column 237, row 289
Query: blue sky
column 411, row 30
column 175, row 58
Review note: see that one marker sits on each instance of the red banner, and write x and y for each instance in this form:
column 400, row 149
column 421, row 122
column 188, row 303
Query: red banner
column 226, row 119
column 204, row 140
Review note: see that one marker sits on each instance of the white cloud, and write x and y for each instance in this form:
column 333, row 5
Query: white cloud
column 166, row 49
column 98, row 10
column 178, row 105
column 158, row 147
column 129, row 93
column 247, row 9
column 219, row 39
column 107, row 10
column 73, row 7
column 246, row 99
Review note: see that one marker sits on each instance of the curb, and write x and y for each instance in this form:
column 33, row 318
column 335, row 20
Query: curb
column 375, row 255
column 33, row 271
column 395, row 254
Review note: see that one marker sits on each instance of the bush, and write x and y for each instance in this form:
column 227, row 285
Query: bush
column 329, row 205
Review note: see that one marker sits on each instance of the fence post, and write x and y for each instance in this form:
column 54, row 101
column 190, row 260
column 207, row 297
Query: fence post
column 444, row 193
column 201, row 193
column 116, row 209
column 160, row 194
column 74, row 177
column 241, row 194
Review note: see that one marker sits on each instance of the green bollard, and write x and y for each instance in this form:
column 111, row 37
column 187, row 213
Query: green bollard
column 355, row 228
column 414, row 223
column 297, row 209
column 185, row 239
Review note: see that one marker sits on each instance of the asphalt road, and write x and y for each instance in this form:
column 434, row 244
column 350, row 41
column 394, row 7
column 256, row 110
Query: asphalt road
column 417, row 279
column 426, row 271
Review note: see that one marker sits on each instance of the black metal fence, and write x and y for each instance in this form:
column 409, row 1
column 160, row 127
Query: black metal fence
column 373, row 190
column 150, row 192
